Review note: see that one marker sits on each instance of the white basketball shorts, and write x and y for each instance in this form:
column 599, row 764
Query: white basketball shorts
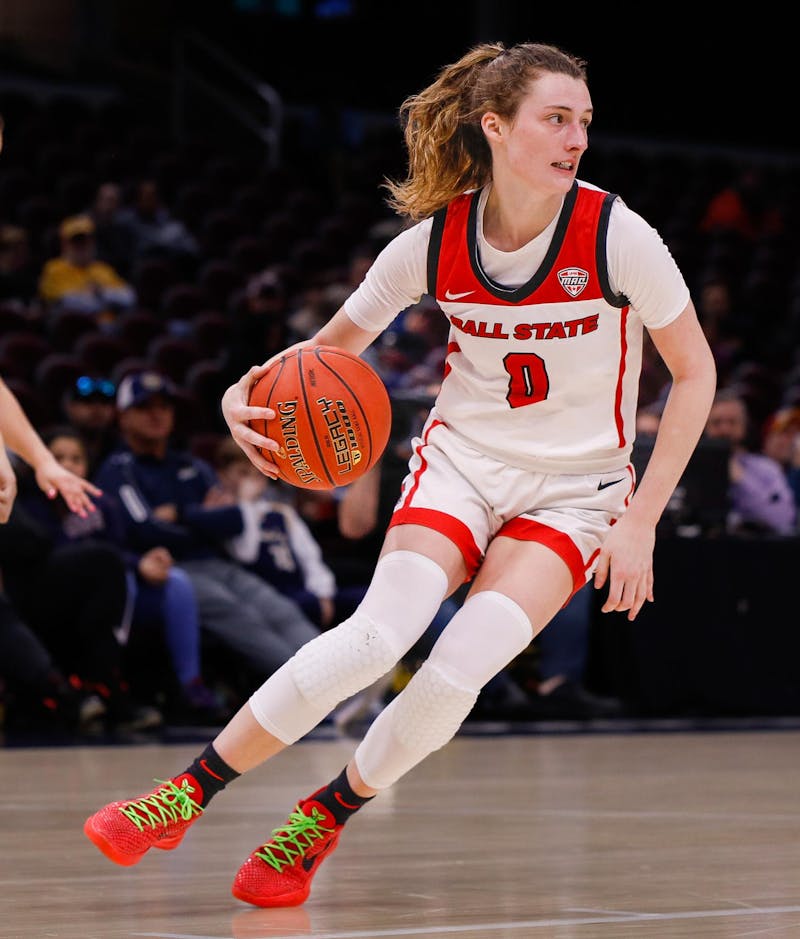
column 472, row 498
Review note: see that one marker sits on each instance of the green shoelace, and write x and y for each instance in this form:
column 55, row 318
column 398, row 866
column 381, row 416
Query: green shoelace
column 293, row 839
column 166, row 805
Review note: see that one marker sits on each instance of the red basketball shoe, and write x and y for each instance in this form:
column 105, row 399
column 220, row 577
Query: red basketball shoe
column 124, row 831
column 279, row 873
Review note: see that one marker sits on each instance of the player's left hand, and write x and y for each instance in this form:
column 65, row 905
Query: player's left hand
column 626, row 564
column 76, row 491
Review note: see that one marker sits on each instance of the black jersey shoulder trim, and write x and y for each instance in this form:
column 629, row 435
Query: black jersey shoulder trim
column 434, row 247
column 601, row 258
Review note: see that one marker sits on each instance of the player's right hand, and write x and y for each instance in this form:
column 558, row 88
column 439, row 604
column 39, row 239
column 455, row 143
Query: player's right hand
column 239, row 413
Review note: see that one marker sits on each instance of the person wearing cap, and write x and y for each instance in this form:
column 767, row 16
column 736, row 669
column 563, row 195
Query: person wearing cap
column 166, row 496
column 76, row 280
column 89, row 405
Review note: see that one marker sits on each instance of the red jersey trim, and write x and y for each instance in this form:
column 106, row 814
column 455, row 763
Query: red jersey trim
column 575, row 265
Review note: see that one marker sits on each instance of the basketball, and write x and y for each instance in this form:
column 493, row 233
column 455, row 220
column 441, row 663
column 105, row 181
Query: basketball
column 333, row 416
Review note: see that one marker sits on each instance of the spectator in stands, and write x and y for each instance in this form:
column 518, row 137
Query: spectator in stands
column 159, row 593
column 781, row 442
column 722, row 326
column 762, row 501
column 20, row 437
column 73, row 597
column 163, row 493
column 742, row 207
column 25, row 661
column 277, row 544
column 36, row 693
column 114, row 238
column 19, row 274
column 154, row 229
column 77, row 281
column 318, row 301
column 89, row 406
column 258, row 319
column 425, row 326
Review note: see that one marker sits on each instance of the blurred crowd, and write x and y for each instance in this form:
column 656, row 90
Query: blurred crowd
column 139, row 278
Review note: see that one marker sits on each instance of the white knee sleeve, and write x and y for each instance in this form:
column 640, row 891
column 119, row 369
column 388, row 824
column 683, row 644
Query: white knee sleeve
column 405, row 593
column 483, row 637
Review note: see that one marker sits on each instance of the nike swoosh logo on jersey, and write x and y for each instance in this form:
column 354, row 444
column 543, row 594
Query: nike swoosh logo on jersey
column 457, row 296
column 613, row 482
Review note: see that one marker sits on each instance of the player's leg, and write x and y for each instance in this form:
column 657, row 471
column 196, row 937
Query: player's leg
column 292, row 701
column 519, row 587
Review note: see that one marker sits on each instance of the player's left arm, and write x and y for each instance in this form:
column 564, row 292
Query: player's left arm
column 626, row 557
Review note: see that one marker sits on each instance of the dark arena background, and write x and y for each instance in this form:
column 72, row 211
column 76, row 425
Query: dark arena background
column 655, row 794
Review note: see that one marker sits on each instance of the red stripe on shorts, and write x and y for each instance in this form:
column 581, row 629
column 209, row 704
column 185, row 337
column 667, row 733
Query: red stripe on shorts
column 422, row 464
column 450, row 527
column 526, row 529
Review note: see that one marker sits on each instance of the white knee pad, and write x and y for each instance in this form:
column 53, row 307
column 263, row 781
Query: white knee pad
column 421, row 719
column 485, row 634
column 405, row 593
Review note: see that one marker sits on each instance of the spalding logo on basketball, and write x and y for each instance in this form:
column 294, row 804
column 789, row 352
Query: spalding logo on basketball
column 333, row 416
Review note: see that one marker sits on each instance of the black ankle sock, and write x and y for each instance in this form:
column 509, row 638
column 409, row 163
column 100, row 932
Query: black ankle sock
column 212, row 773
column 339, row 799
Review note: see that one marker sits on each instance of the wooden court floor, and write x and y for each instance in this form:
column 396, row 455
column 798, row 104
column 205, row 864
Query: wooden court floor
column 586, row 836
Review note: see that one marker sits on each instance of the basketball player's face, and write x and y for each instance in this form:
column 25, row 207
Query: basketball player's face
column 543, row 146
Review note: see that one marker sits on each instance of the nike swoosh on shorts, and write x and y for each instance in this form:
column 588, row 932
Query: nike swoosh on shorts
column 613, row 482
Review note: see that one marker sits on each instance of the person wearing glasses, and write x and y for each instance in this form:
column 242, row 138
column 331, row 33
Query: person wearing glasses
column 89, row 406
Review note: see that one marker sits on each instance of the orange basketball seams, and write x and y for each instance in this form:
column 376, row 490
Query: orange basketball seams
column 333, row 416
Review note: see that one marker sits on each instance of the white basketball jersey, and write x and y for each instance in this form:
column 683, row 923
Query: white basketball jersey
column 544, row 376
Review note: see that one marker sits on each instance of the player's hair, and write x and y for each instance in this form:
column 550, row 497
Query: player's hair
column 447, row 151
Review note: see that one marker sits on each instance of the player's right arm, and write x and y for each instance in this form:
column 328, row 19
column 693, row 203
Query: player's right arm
column 339, row 331
column 396, row 280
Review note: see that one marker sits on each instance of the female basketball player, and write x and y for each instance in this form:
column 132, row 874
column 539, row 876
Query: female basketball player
column 520, row 480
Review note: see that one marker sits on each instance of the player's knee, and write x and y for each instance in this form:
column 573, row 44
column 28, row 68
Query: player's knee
column 432, row 707
column 487, row 632
column 342, row 661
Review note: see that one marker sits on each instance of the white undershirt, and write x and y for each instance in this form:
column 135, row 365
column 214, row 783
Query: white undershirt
column 639, row 263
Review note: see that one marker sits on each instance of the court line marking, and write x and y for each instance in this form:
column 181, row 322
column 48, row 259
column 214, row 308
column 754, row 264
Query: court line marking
column 525, row 924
